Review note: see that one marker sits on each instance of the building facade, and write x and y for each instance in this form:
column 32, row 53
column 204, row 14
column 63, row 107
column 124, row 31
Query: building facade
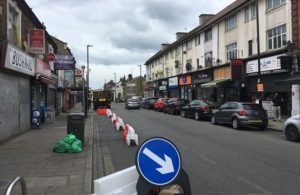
column 218, row 60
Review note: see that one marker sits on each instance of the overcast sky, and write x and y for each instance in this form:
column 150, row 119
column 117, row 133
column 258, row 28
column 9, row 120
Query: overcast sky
column 124, row 33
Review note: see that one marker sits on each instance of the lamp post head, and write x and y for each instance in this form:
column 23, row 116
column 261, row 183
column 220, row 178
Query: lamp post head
column 89, row 45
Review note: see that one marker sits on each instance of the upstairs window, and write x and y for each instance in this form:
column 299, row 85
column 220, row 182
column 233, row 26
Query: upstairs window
column 208, row 59
column 171, row 54
column 14, row 25
column 253, row 10
column 189, row 45
column 208, row 35
column 276, row 37
column 231, row 51
column 230, row 23
column 247, row 14
column 271, row 4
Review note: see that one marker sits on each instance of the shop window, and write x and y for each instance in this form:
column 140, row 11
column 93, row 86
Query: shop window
column 276, row 37
column 271, row 4
column 231, row 51
column 14, row 24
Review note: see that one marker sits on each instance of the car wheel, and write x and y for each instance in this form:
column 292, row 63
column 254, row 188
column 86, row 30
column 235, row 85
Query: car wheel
column 236, row 123
column 182, row 113
column 292, row 133
column 213, row 120
column 196, row 116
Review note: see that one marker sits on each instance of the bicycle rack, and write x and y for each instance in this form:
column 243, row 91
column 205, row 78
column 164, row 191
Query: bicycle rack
column 13, row 183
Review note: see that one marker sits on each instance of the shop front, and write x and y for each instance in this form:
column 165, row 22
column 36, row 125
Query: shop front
column 173, row 87
column 228, row 84
column 163, row 88
column 199, row 78
column 273, row 70
column 16, row 69
column 42, row 94
column 187, row 91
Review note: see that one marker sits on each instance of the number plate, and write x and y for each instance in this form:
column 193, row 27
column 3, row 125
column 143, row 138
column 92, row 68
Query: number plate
column 256, row 121
column 102, row 100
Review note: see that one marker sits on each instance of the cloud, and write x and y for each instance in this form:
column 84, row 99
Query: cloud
column 124, row 33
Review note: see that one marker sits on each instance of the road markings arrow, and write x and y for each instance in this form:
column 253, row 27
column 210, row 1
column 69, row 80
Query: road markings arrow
column 166, row 165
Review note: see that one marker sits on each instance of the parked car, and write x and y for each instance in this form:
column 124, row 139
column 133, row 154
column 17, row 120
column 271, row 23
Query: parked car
column 241, row 114
column 132, row 103
column 145, row 103
column 160, row 104
column 174, row 105
column 149, row 104
column 199, row 109
column 292, row 128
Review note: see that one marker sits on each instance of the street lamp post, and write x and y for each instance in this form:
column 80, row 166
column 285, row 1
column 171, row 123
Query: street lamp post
column 140, row 80
column 258, row 53
column 115, row 88
column 88, row 72
column 83, row 99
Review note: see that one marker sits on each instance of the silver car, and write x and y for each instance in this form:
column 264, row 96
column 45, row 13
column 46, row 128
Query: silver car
column 132, row 103
column 292, row 128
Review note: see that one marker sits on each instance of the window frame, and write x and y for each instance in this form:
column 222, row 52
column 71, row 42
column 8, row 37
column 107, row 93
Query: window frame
column 231, row 22
column 247, row 14
column 17, row 23
column 231, row 50
column 269, row 8
column 208, row 35
column 276, row 38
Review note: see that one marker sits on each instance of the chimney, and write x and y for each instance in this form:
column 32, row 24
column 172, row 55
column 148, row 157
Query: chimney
column 164, row 45
column 203, row 18
column 179, row 35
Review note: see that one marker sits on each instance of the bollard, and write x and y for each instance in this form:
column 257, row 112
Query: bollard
column 113, row 118
column 125, row 131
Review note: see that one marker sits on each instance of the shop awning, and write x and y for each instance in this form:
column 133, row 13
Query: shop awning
column 295, row 79
column 214, row 83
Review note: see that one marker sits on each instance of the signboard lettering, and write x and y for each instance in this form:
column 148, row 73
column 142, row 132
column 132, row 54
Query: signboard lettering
column 43, row 68
column 37, row 41
column 173, row 82
column 19, row 61
column 266, row 64
column 64, row 62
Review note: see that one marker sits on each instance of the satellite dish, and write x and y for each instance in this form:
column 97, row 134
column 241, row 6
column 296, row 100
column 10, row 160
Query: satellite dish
column 188, row 66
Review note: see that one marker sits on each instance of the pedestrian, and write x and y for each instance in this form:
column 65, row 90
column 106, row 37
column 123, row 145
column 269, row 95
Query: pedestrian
column 277, row 101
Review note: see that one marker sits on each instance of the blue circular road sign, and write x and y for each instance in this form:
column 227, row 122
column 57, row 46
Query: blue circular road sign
column 158, row 161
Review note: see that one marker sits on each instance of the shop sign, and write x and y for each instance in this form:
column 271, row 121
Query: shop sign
column 164, row 83
column 43, row 68
column 185, row 80
column 202, row 77
column 162, row 88
column 266, row 64
column 37, row 41
column 78, row 73
column 19, row 61
column 60, row 83
column 131, row 85
column 236, row 69
column 222, row 73
column 173, row 82
column 260, row 87
column 69, row 77
column 64, row 62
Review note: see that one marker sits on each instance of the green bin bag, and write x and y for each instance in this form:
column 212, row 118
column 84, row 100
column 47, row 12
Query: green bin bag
column 61, row 147
column 70, row 138
column 75, row 148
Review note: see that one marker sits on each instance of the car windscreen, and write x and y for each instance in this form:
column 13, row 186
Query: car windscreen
column 134, row 100
column 251, row 107
column 210, row 103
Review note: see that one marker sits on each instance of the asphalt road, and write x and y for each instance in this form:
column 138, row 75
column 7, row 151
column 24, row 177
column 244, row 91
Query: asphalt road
column 218, row 159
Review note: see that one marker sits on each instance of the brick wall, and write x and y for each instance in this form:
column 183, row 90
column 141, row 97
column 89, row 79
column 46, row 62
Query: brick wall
column 296, row 22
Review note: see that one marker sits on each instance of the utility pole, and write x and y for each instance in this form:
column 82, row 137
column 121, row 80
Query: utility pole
column 258, row 54
column 140, row 80
column 83, row 85
column 115, row 88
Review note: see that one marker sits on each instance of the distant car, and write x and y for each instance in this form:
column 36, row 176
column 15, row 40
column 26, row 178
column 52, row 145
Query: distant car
column 145, row 103
column 199, row 109
column 132, row 103
column 160, row 104
column 241, row 114
column 149, row 104
column 292, row 127
column 174, row 105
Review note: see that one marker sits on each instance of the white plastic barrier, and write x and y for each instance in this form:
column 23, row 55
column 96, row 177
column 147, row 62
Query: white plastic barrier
column 108, row 113
column 131, row 136
column 119, row 183
column 120, row 125
column 113, row 118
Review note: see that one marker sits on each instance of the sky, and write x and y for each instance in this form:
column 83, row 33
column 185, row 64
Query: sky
column 123, row 33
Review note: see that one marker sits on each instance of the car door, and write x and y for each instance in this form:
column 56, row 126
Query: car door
column 220, row 113
column 194, row 107
column 231, row 109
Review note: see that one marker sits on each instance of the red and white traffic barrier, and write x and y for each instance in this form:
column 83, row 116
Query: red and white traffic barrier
column 113, row 118
column 130, row 136
column 120, row 126
column 108, row 113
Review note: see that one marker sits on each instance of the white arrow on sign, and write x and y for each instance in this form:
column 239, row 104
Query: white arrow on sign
column 166, row 165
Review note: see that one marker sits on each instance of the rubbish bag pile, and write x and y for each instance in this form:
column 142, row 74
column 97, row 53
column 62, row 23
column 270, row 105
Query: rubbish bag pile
column 70, row 144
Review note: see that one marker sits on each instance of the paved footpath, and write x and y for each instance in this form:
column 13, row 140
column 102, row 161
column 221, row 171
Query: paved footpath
column 45, row 172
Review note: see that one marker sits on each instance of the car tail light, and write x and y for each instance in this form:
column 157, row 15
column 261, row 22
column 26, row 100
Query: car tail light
column 242, row 112
column 204, row 108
